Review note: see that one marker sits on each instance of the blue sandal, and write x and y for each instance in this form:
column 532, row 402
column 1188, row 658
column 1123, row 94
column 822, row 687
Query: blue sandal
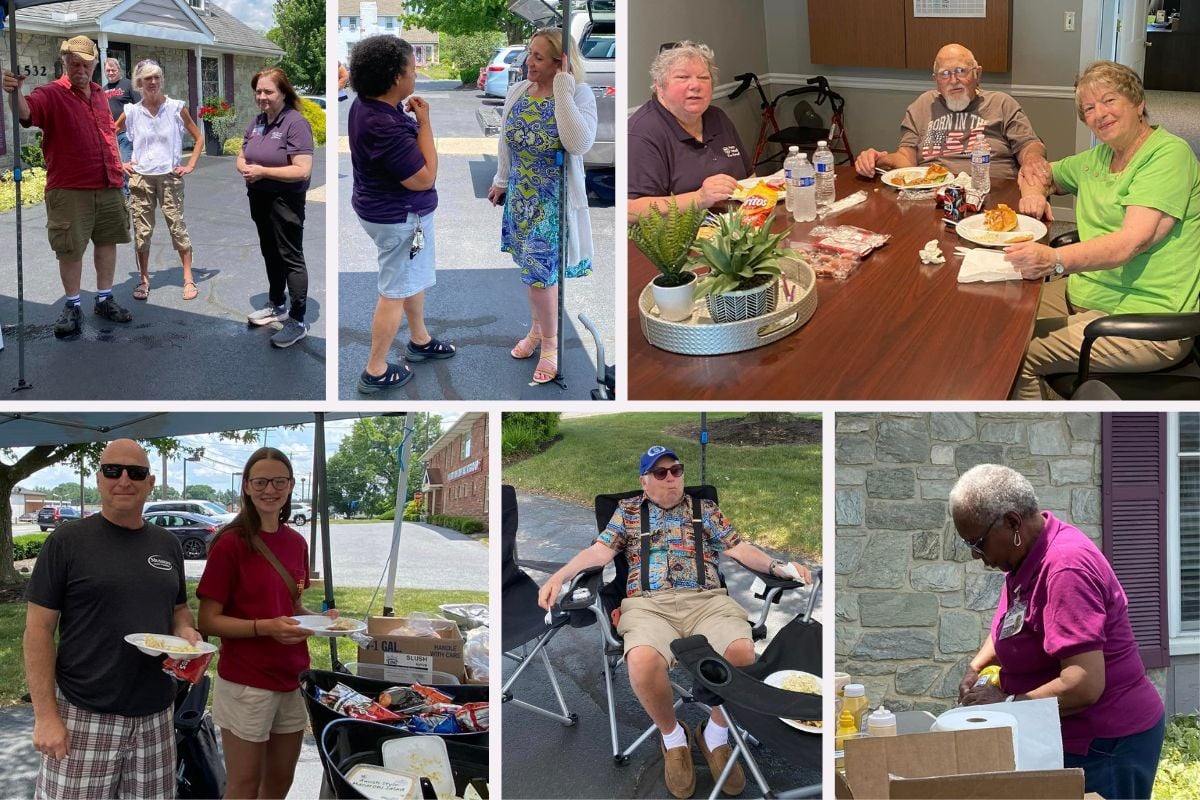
column 433, row 349
column 395, row 375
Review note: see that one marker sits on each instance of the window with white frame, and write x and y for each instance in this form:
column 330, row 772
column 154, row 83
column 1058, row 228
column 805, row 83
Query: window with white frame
column 210, row 78
column 388, row 23
column 1183, row 532
column 466, row 447
column 196, row 4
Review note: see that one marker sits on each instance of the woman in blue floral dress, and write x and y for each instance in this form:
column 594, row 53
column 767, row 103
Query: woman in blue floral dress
column 552, row 110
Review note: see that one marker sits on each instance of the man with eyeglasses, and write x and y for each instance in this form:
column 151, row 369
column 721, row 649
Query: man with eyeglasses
column 943, row 124
column 672, row 601
column 102, row 708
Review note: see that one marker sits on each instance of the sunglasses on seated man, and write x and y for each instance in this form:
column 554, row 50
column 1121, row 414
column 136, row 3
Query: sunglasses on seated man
column 113, row 471
column 660, row 473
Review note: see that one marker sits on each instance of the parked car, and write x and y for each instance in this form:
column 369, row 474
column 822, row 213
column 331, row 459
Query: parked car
column 28, row 516
column 50, row 517
column 495, row 83
column 205, row 508
column 301, row 513
column 194, row 531
column 316, row 98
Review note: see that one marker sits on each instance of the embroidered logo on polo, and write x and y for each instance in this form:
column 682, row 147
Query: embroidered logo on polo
column 158, row 562
column 277, row 135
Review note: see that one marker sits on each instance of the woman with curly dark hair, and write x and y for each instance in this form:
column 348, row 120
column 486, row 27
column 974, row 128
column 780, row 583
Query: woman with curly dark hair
column 395, row 167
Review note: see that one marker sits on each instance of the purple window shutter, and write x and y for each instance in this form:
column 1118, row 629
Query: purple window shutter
column 1134, row 448
column 229, row 78
column 193, row 101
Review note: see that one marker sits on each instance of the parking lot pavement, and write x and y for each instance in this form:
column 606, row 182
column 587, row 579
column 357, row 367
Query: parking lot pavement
column 479, row 302
column 173, row 349
column 552, row 531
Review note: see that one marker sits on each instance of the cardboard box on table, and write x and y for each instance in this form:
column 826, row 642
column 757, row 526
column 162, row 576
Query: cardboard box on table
column 948, row 764
column 443, row 652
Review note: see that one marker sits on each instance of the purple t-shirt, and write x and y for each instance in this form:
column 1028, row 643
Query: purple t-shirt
column 664, row 159
column 1075, row 605
column 273, row 145
column 384, row 152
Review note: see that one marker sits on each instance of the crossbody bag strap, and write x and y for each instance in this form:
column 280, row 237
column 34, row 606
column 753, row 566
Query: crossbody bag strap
column 644, row 513
column 698, row 535
column 261, row 547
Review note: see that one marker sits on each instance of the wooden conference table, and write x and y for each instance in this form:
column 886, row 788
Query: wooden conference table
column 895, row 330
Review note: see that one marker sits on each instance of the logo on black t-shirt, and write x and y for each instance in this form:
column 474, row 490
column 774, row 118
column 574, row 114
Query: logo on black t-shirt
column 158, row 562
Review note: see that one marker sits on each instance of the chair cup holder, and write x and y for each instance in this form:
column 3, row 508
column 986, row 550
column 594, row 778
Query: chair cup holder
column 714, row 672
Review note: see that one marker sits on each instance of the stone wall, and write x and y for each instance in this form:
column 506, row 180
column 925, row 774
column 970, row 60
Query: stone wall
column 912, row 605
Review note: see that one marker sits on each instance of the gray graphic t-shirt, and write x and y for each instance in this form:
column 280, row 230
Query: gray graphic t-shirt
column 946, row 137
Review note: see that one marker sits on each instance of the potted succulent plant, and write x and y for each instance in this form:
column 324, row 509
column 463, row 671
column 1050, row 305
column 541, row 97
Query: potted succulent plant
column 666, row 239
column 743, row 268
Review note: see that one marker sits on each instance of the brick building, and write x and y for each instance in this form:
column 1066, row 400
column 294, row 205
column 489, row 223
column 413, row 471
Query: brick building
column 456, row 470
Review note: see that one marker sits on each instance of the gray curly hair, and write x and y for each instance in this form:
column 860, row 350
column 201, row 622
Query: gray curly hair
column 666, row 60
column 986, row 491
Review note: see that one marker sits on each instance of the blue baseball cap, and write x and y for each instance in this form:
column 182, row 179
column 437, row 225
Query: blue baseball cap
column 654, row 454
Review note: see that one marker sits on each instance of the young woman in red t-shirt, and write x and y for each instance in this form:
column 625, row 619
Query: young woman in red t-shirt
column 244, row 599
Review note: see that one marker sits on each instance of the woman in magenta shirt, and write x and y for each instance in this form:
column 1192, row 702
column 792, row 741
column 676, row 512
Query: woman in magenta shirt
column 1062, row 630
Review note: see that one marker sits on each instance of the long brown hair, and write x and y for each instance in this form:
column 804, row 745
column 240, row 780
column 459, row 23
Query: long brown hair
column 248, row 523
column 290, row 98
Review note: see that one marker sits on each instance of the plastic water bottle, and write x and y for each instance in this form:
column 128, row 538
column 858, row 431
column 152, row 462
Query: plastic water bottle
column 789, row 175
column 805, row 208
column 981, row 166
column 823, row 161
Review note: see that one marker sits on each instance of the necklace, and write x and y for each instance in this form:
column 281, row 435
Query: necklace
column 1123, row 158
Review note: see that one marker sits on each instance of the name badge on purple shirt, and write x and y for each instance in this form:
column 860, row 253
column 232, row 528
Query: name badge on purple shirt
column 1014, row 620
column 258, row 130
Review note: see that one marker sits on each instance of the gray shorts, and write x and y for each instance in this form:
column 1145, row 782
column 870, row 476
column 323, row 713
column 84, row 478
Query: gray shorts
column 401, row 275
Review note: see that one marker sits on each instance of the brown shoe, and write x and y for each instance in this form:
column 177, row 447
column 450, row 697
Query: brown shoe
column 736, row 782
column 678, row 770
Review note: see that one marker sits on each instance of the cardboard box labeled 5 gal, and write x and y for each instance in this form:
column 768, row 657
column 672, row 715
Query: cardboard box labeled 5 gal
column 948, row 764
column 443, row 652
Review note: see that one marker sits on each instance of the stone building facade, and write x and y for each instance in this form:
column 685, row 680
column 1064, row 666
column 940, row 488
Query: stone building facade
column 456, row 470
column 912, row 605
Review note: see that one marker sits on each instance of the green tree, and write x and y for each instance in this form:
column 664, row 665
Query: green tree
column 362, row 474
column 458, row 17
column 470, row 51
column 201, row 491
column 69, row 493
column 300, row 31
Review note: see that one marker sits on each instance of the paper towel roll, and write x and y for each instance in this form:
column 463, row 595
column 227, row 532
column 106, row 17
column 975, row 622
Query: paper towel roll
column 966, row 719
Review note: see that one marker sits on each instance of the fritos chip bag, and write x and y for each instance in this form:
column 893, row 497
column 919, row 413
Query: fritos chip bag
column 759, row 203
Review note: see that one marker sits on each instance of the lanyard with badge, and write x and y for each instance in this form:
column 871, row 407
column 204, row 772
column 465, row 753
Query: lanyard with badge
column 1014, row 618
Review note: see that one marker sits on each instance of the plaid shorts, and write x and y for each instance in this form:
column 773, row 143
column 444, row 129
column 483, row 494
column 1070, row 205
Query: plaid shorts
column 110, row 756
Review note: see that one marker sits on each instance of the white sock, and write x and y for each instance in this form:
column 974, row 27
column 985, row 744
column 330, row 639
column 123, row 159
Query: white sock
column 676, row 738
column 715, row 735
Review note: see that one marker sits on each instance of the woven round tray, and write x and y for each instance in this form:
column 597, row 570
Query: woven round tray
column 700, row 336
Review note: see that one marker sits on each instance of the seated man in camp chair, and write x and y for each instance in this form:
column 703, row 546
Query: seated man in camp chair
column 672, row 601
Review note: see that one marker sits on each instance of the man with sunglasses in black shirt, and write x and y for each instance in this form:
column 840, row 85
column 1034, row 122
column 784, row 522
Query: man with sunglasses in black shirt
column 102, row 708
column 673, row 600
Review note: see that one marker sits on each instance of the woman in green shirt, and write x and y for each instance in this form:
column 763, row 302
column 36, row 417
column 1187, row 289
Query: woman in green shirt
column 1138, row 211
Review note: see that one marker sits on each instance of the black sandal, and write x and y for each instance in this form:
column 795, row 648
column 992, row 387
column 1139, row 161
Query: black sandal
column 433, row 349
column 395, row 375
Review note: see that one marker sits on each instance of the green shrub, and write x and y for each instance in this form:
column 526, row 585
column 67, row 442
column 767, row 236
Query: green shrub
column 525, row 433
column 33, row 188
column 28, row 546
column 470, row 52
column 469, row 75
column 316, row 119
column 232, row 146
column 412, row 510
column 31, row 154
column 1179, row 765
column 461, row 524
column 390, row 514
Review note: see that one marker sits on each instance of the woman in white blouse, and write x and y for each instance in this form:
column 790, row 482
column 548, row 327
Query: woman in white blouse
column 155, row 126
column 553, row 110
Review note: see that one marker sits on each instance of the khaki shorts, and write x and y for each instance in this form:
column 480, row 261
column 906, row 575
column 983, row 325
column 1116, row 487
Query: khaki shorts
column 75, row 217
column 657, row 619
column 254, row 714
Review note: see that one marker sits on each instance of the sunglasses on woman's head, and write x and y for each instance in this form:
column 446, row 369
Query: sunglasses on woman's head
column 660, row 473
column 261, row 483
column 113, row 471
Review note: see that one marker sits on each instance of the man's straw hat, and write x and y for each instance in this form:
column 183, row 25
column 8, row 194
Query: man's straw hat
column 80, row 46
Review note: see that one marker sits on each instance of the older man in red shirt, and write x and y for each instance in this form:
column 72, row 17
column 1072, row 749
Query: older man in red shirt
column 84, row 201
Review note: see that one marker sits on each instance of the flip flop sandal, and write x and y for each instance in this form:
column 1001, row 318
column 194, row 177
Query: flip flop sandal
column 433, row 349
column 142, row 292
column 189, row 291
column 395, row 375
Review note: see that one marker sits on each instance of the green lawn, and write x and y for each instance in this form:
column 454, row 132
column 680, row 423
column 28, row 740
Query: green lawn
column 772, row 495
column 350, row 602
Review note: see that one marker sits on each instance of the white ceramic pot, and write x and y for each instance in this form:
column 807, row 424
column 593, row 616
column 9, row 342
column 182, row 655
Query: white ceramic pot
column 675, row 303
column 743, row 304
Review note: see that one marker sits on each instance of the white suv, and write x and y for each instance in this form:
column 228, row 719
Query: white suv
column 205, row 508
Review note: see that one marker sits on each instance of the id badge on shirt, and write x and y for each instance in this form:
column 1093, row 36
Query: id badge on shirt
column 258, row 130
column 1014, row 619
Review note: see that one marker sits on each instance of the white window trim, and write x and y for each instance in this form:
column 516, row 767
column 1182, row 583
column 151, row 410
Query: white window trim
column 1179, row 643
column 220, row 73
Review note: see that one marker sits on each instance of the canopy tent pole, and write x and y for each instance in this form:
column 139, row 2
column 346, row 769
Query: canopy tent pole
column 403, row 455
column 327, row 556
column 563, row 215
column 703, row 445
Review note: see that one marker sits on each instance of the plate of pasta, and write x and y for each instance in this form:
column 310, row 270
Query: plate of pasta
column 794, row 680
column 160, row 644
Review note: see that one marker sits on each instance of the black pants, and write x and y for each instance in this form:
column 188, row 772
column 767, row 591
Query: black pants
column 279, row 217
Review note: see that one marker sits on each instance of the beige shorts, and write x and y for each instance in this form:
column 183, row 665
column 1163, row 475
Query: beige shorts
column 660, row 618
column 75, row 217
column 165, row 191
column 254, row 714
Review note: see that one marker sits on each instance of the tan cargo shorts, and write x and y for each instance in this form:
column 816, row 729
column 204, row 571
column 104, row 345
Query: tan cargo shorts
column 75, row 217
column 657, row 619
column 254, row 714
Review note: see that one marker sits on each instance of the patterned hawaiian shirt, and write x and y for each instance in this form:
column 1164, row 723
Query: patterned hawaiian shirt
column 672, row 552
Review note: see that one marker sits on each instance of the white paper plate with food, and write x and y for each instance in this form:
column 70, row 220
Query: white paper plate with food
column 794, row 680
column 747, row 185
column 916, row 177
column 424, row 756
column 322, row 625
column 1000, row 227
column 160, row 644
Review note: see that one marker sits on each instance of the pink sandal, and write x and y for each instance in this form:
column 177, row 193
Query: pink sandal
column 527, row 346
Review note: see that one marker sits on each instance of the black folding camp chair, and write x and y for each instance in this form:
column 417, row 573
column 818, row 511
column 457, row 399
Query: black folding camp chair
column 750, row 704
column 199, row 764
column 591, row 601
column 346, row 743
column 524, row 626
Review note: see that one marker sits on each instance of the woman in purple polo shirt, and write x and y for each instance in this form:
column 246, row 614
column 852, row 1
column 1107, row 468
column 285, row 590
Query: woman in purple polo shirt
column 276, row 162
column 395, row 166
column 1062, row 630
